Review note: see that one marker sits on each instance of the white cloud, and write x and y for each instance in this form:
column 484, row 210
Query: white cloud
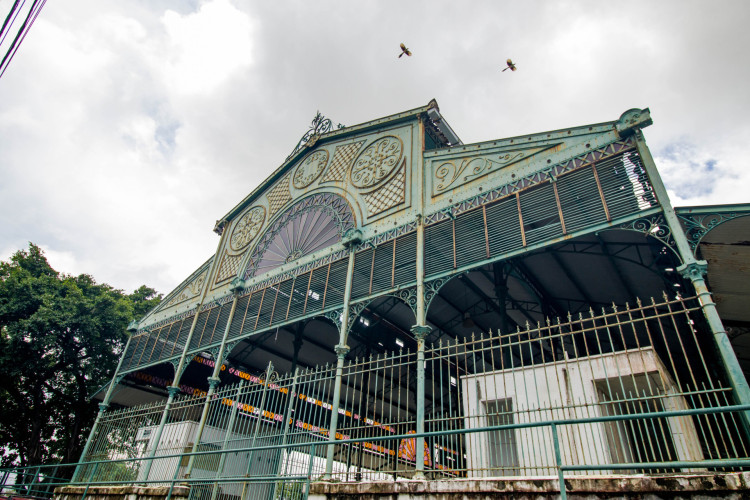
column 206, row 48
column 128, row 128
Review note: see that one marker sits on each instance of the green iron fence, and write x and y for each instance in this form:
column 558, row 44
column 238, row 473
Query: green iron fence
column 628, row 389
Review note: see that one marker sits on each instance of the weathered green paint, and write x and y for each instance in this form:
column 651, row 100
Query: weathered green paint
column 694, row 270
column 173, row 391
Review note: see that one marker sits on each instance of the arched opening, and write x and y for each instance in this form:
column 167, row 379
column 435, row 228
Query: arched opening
column 313, row 223
column 383, row 325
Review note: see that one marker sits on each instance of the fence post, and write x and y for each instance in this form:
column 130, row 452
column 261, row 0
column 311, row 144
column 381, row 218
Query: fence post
column 558, row 462
column 341, row 351
column 228, row 434
column 88, row 483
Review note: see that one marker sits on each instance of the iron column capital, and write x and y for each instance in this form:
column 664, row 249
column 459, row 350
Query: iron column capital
column 693, row 270
column 421, row 331
column 173, row 390
column 341, row 350
column 213, row 382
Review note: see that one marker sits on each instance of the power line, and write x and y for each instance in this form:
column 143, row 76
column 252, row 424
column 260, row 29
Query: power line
column 10, row 19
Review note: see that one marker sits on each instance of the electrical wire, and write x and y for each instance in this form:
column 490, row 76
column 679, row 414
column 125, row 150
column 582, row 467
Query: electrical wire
column 31, row 16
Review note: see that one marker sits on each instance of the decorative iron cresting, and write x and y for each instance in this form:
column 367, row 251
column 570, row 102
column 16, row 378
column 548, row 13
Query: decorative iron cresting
column 319, row 126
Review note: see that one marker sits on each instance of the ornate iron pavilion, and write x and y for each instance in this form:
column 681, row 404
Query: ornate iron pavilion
column 393, row 235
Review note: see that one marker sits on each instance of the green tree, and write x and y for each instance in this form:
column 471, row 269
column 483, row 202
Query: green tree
column 60, row 337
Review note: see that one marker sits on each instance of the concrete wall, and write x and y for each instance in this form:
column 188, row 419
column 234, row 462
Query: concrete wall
column 120, row 492
column 732, row 486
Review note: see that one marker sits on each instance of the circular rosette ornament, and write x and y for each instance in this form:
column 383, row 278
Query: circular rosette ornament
column 247, row 228
column 310, row 169
column 376, row 162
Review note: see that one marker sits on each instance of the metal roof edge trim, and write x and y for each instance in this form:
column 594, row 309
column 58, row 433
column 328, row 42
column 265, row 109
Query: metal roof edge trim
column 536, row 137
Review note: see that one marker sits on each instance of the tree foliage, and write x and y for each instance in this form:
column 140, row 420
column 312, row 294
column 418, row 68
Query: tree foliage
column 60, row 338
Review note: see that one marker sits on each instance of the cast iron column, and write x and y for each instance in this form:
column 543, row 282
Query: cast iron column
column 420, row 331
column 102, row 408
column 341, row 350
column 694, row 270
column 213, row 383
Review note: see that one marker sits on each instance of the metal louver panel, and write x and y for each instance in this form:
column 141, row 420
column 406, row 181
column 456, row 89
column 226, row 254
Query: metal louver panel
column 541, row 219
column 334, row 293
column 405, row 268
column 240, row 317
column 362, row 273
column 251, row 316
column 438, row 252
column 206, row 320
column 161, row 335
column 580, row 200
column 179, row 343
column 149, row 346
column 625, row 185
column 282, row 301
column 470, row 243
column 169, row 340
column 128, row 354
column 382, row 278
column 266, row 307
column 503, row 227
column 299, row 296
column 217, row 330
column 317, row 290
column 140, row 348
column 154, row 350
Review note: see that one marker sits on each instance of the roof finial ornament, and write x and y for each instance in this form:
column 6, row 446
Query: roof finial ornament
column 319, row 126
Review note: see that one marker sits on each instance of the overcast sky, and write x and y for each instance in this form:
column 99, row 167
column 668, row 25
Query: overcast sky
column 128, row 127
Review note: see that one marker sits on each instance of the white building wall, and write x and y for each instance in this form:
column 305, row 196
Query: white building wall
column 573, row 389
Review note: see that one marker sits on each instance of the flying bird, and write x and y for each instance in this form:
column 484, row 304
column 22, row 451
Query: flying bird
column 511, row 65
column 404, row 50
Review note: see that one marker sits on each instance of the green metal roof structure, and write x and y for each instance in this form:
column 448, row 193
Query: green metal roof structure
column 548, row 196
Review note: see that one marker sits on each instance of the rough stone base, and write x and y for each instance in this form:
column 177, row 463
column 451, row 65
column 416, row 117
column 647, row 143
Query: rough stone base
column 121, row 492
column 694, row 486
